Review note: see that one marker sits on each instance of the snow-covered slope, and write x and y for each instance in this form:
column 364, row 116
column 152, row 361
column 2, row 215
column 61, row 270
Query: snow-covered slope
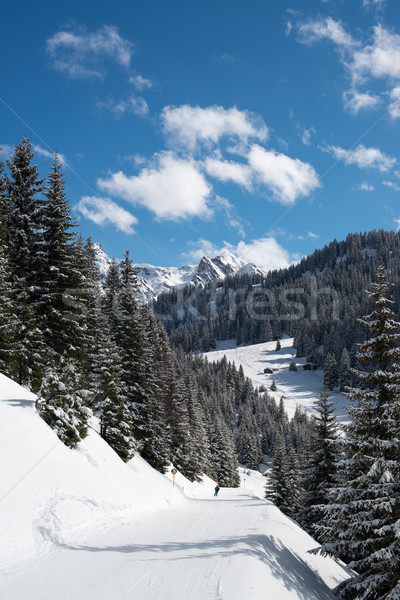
column 296, row 387
column 82, row 524
column 156, row 280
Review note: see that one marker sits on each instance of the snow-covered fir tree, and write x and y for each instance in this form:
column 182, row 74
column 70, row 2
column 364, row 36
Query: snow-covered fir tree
column 331, row 375
column 61, row 403
column 8, row 321
column 363, row 519
column 108, row 393
column 25, row 225
column 322, row 457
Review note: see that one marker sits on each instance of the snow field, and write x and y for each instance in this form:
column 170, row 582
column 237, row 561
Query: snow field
column 297, row 387
column 82, row 524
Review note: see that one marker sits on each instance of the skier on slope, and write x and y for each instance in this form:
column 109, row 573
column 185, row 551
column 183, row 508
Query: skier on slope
column 216, row 490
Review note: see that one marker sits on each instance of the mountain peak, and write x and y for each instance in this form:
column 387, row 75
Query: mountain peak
column 155, row 280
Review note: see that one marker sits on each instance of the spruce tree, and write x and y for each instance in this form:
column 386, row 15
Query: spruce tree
column 108, row 394
column 277, row 487
column 61, row 403
column 8, row 321
column 331, row 375
column 322, row 459
column 365, row 513
column 61, row 300
column 25, row 225
column 345, row 376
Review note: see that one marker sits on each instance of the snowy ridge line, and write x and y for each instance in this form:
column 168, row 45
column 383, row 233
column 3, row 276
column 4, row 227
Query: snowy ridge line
column 153, row 280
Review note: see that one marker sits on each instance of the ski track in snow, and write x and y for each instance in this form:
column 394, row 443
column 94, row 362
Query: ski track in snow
column 82, row 525
column 234, row 547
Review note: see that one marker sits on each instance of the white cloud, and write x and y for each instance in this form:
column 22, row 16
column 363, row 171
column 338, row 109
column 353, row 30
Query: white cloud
column 306, row 136
column 225, row 171
column 79, row 53
column 374, row 3
column 231, row 218
column 103, row 210
column 394, row 108
column 134, row 104
column 49, row 155
column 379, row 59
column 140, row 83
column 189, row 126
column 355, row 101
column 392, row 185
column 364, row 187
column 172, row 188
column 264, row 252
column 325, row 29
column 6, row 151
column 312, row 235
column 288, row 178
column 364, row 158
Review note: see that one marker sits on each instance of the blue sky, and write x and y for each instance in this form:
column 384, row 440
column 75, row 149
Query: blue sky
column 267, row 128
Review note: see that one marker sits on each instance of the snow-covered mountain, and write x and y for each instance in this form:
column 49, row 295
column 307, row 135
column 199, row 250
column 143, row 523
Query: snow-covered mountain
column 156, row 280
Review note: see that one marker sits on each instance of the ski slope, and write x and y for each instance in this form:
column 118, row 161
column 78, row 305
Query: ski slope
column 296, row 387
column 80, row 524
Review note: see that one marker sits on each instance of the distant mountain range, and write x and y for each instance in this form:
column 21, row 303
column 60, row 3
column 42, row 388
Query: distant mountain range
column 154, row 281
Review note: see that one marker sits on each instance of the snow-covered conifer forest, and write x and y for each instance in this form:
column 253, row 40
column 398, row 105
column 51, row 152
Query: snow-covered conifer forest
column 103, row 394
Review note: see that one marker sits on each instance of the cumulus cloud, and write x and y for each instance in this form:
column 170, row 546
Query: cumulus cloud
column 364, row 158
column 288, row 178
column 79, row 53
column 379, row 59
column 355, row 101
column 264, row 252
column 190, row 126
column 325, row 29
column 226, row 171
column 103, row 211
column 172, row 188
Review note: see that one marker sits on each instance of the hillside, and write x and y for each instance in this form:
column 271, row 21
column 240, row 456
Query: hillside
column 297, row 388
column 81, row 523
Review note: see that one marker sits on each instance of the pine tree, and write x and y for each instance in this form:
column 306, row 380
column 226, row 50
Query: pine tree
column 138, row 364
column 63, row 281
column 365, row 513
column 322, row 462
column 25, row 225
column 277, row 487
column 108, row 394
column 199, row 457
column 8, row 322
column 345, row 376
column 61, row 404
column 331, row 375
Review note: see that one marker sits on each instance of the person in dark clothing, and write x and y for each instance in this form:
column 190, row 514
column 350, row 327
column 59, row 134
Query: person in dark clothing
column 216, row 490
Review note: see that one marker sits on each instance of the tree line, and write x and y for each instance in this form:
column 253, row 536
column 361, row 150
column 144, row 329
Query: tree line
column 346, row 491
